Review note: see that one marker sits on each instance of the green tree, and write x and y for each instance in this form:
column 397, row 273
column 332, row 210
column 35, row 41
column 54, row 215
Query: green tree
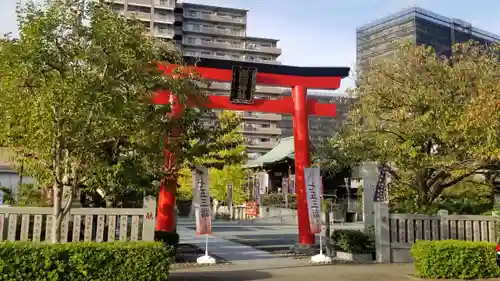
column 79, row 81
column 334, row 154
column 224, row 155
column 434, row 119
column 225, row 145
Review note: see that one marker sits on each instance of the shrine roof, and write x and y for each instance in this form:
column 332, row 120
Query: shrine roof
column 278, row 69
column 283, row 150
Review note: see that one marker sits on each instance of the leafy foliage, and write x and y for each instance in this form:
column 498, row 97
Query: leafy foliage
column 353, row 241
column 85, row 261
column 224, row 155
column 334, row 154
column 426, row 116
column 223, row 143
column 453, row 259
column 80, row 83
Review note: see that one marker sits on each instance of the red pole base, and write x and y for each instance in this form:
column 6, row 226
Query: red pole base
column 166, row 217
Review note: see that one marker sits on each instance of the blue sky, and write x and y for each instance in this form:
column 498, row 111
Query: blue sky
column 323, row 32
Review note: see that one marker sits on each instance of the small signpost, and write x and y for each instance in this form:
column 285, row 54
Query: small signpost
column 292, row 184
column 252, row 209
column 313, row 190
column 202, row 210
column 230, row 199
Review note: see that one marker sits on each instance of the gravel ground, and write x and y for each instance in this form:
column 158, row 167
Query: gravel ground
column 187, row 254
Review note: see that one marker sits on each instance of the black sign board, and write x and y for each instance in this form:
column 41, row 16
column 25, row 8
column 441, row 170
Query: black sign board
column 243, row 85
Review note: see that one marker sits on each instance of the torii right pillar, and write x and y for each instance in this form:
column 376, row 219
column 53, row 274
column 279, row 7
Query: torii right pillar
column 302, row 160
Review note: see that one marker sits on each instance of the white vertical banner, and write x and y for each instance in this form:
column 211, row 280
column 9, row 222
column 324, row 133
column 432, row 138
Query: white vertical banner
column 313, row 190
column 291, row 187
column 202, row 200
column 263, row 183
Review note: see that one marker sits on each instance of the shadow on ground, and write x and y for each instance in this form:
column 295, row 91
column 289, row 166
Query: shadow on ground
column 238, row 275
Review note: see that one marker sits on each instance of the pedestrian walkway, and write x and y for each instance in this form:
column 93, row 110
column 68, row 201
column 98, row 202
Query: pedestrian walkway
column 233, row 252
column 270, row 272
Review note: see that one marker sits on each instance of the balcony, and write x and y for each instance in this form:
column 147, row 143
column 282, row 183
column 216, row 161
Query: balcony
column 139, row 16
column 165, row 4
column 170, row 19
column 220, row 45
column 164, row 33
column 260, row 145
column 214, row 18
column 250, row 129
column 213, row 31
column 267, row 50
column 261, row 116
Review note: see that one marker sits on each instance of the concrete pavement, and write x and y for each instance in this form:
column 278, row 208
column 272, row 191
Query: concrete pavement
column 236, row 253
column 354, row 272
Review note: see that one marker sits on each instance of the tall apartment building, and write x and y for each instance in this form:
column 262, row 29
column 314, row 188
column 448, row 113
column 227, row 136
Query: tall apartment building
column 319, row 127
column 375, row 40
column 214, row 32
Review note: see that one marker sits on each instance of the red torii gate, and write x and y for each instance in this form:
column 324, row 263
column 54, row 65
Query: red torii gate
column 299, row 79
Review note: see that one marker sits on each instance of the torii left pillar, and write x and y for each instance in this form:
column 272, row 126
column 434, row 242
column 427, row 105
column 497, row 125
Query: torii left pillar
column 166, row 219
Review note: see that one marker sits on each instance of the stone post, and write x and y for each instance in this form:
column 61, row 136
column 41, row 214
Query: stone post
column 149, row 219
column 382, row 233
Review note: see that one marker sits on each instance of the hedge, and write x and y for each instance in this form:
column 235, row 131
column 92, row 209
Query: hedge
column 454, row 259
column 78, row 261
column 352, row 241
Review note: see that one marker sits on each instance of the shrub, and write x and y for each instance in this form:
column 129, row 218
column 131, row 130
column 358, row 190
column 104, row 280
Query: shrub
column 454, row 259
column 120, row 261
column 352, row 241
column 278, row 200
column 169, row 239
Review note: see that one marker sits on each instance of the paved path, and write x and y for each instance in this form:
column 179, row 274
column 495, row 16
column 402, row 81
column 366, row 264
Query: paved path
column 236, row 253
column 276, row 238
column 372, row 272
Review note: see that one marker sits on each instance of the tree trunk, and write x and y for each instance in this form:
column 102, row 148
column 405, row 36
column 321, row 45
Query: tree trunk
column 57, row 210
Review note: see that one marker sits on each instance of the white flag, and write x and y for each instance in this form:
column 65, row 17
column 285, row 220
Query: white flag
column 263, row 183
column 313, row 190
column 202, row 201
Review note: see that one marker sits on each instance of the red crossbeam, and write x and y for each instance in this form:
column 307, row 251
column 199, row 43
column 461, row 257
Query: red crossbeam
column 282, row 106
column 269, row 79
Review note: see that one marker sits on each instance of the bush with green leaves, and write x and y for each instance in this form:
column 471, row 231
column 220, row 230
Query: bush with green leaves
column 454, row 259
column 278, row 200
column 353, row 241
column 114, row 261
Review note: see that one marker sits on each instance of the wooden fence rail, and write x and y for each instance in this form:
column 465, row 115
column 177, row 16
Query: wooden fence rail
column 81, row 224
column 395, row 233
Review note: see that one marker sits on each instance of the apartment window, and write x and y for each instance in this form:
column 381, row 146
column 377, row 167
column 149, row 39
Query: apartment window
column 163, row 2
column 132, row 9
column 191, row 40
column 144, row 10
column 265, row 126
column 192, row 13
column 265, row 140
column 163, row 16
column 220, row 54
column 163, row 29
column 205, row 13
column 206, row 53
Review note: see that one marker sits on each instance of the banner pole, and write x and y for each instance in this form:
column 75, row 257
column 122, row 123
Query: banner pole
column 206, row 244
column 320, row 244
